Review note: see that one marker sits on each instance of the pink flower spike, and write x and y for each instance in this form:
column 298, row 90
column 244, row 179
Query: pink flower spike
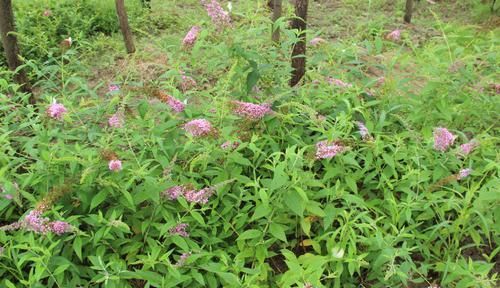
column 467, row 148
column 115, row 165
column 56, row 111
column 180, row 229
column 175, row 104
column 198, row 197
column 34, row 222
column 363, row 131
column 113, row 88
column 327, row 150
column 198, row 127
column 230, row 145
column 443, row 139
column 394, row 35
column 316, row 41
column 251, row 111
column 338, row 82
column 173, row 192
column 59, row 227
column 8, row 196
column 182, row 259
column 464, row 173
column 191, row 37
column 115, row 121
column 219, row 17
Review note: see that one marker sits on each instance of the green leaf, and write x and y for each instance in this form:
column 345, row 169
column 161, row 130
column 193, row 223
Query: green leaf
column 77, row 247
column 250, row 234
column 295, row 202
column 277, row 231
column 98, row 199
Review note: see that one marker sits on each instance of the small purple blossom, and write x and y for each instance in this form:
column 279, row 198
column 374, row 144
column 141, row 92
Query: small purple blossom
column 316, row 41
column 115, row 121
column 394, row 35
column 59, row 227
column 175, row 104
column 467, row 148
column 191, row 36
column 327, row 150
column 443, row 139
column 113, row 88
column 338, row 82
column 47, row 13
column 182, row 259
column 198, row 127
column 174, row 192
column 34, row 222
column 230, row 145
column 8, row 196
column 219, row 17
column 464, row 173
column 198, row 197
column 180, row 229
column 251, row 111
column 115, row 165
column 363, row 131
column 56, row 111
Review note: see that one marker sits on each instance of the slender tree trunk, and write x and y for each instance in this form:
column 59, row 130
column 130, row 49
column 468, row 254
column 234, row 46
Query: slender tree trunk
column 10, row 46
column 277, row 8
column 299, row 49
column 408, row 11
column 127, row 34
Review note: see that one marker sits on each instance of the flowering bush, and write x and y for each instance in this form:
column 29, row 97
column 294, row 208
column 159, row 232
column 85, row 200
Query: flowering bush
column 251, row 183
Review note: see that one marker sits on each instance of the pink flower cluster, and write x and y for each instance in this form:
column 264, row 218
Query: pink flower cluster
column 198, row 127
column 113, row 88
column 394, row 35
column 180, row 229
column 316, row 41
column 443, row 139
column 38, row 224
column 230, row 145
column 175, row 104
column 56, row 111
column 115, row 165
column 182, row 259
column 251, row 111
column 464, row 173
column 363, row 131
column 327, row 150
column 199, row 197
column 191, row 36
column 115, row 121
column 191, row 195
column 187, row 83
column 173, row 192
column 219, row 17
column 467, row 148
column 338, row 82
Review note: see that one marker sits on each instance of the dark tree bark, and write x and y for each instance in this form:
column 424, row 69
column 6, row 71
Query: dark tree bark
column 127, row 34
column 299, row 49
column 277, row 8
column 408, row 11
column 11, row 48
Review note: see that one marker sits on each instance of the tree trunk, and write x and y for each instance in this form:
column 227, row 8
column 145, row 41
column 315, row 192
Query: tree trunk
column 127, row 34
column 11, row 48
column 299, row 49
column 408, row 11
column 276, row 15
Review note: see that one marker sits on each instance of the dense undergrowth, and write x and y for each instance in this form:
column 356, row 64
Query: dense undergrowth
column 134, row 198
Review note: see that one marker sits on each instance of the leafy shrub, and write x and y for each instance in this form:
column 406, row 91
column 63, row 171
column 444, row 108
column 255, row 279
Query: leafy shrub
column 387, row 210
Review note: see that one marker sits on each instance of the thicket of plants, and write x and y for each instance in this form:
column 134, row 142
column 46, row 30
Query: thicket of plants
column 218, row 174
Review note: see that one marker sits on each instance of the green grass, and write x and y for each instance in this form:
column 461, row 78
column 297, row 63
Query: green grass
column 386, row 212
